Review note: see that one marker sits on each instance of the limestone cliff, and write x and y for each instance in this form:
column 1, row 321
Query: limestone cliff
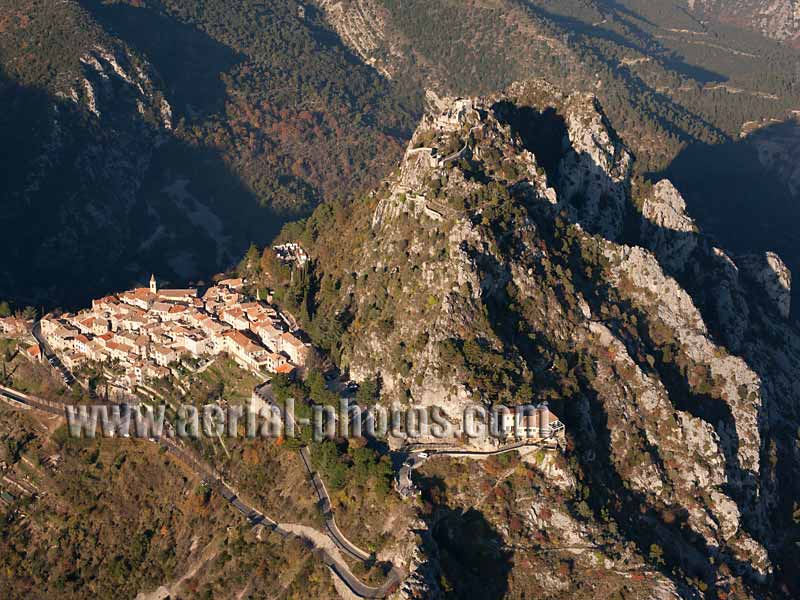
column 364, row 27
column 512, row 257
column 777, row 19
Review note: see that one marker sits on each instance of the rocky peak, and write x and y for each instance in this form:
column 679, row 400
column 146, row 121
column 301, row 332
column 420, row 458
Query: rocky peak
column 500, row 264
column 772, row 276
column 596, row 170
column 667, row 229
column 566, row 153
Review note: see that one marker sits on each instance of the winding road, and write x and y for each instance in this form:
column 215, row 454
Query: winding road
column 332, row 530
column 256, row 518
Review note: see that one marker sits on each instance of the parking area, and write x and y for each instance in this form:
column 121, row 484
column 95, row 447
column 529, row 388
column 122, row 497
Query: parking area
column 52, row 359
column 65, row 374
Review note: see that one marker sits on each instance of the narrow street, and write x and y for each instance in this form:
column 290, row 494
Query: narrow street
column 50, row 356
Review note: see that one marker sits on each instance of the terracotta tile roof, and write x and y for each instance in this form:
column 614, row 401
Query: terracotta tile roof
column 178, row 293
column 291, row 339
column 243, row 341
column 232, row 282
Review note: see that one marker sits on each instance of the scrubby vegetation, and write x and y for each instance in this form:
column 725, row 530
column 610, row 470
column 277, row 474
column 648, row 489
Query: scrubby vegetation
column 115, row 518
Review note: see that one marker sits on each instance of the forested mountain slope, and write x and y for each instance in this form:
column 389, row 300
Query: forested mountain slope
column 169, row 135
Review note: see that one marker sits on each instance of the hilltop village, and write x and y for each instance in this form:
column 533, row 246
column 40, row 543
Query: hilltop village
column 147, row 330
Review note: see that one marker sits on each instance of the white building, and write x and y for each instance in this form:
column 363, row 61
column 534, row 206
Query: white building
column 296, row 350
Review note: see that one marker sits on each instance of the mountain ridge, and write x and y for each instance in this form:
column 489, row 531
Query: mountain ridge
column 513, row 256
column 777, row 19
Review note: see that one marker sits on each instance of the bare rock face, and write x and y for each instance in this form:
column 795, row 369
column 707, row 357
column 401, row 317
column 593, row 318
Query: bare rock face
column 728, row 299
column 499, row 265
column 776, row 19
column 667, row 230
column 362, row 25
column 770, row 273
column 595, row 170
column 777, row 148
column 424, row 573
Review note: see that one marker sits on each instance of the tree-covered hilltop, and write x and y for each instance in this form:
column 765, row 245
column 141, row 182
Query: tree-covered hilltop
column 295, row 114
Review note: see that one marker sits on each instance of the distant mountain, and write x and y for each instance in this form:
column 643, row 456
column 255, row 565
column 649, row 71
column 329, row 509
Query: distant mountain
column 777, row 19
column 665, row 79
column 169, row 135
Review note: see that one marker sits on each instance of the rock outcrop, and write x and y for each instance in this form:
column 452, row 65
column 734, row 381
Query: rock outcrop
column 772, row 276
column 776, row 19
column 364, row 26
column 511, row 257
column 666, row 229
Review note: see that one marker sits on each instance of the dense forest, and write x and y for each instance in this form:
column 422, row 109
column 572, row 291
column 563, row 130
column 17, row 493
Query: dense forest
column 294, row 113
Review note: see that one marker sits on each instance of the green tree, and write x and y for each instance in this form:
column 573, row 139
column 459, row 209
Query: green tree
column 318, row 389
column 368, row 392
column 330, row 462
column 656, row 554
column 251, row 263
